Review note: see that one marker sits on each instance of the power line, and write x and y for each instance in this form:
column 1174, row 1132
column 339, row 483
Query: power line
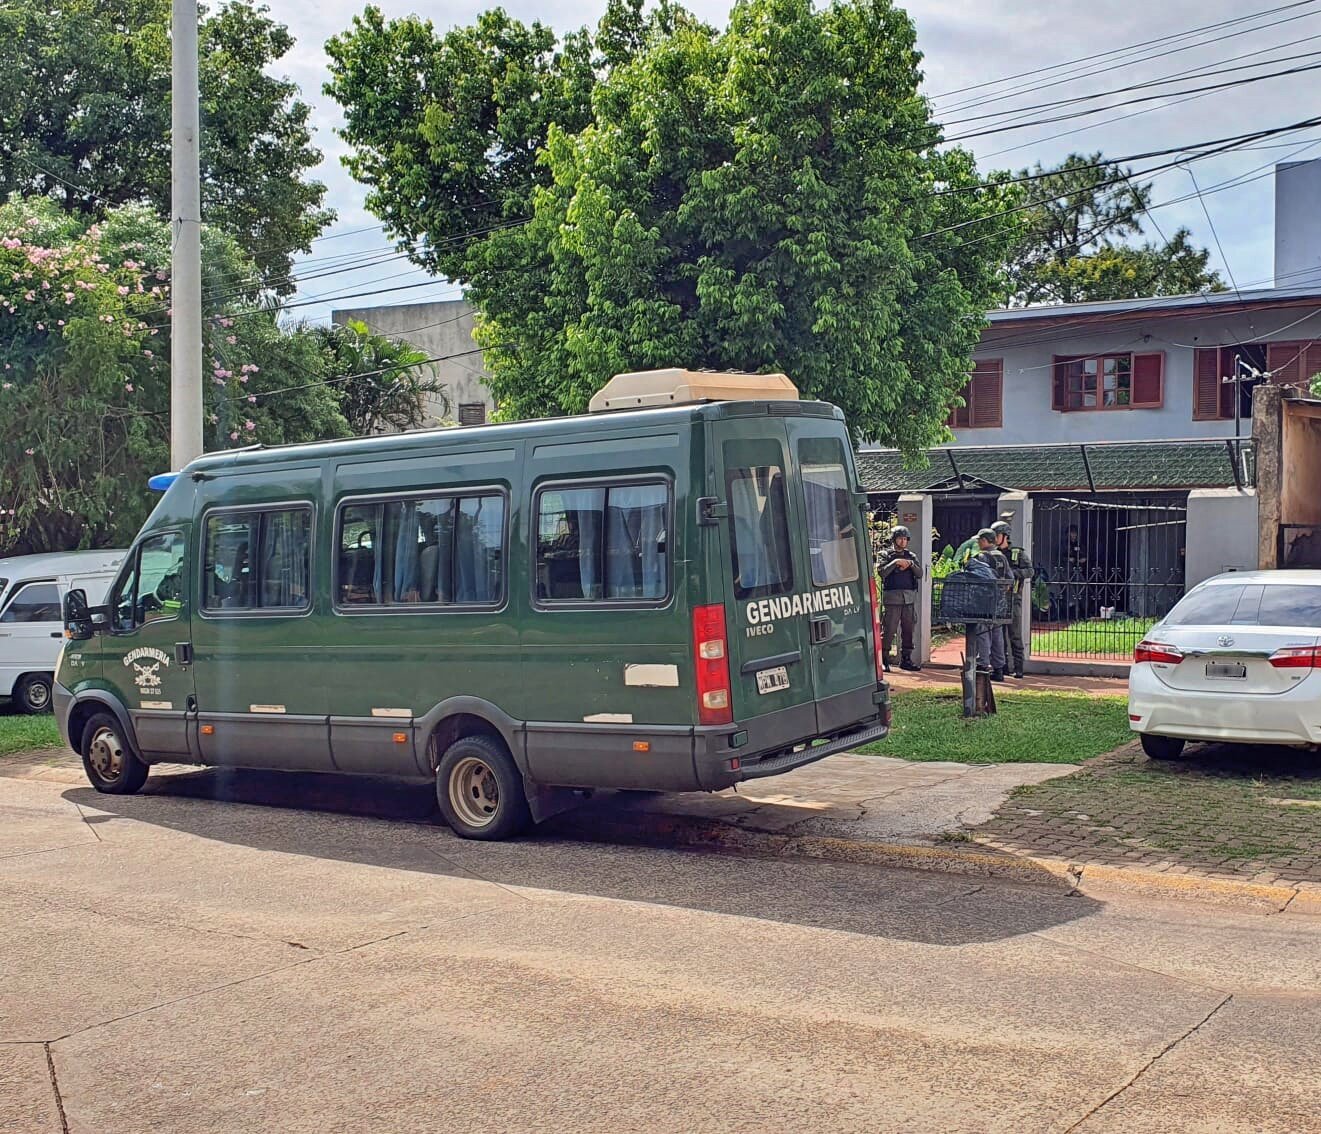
column 1207, row 213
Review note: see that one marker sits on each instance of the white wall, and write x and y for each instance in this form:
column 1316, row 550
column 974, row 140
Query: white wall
column 1221, row 534
column 1298, row 223
column 1027, row 352
column 440, row 329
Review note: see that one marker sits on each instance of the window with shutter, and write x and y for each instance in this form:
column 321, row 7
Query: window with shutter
column 1059, row 385
column 982, row 396
column 1208, row 400
column 1148, row 380
column 1294, row 363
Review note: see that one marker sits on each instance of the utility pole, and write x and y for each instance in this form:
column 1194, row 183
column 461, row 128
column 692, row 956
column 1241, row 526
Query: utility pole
column 186, row 229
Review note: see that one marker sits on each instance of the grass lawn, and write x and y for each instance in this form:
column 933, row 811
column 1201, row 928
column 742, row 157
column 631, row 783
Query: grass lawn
column 1040, row 728
column 22, row 733
column 1093, row 636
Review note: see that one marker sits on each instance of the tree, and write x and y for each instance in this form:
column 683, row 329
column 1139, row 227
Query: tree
column 766, row 197
column 84, row 371
column 380, row 383
column 85, row 119
column 1072, row 247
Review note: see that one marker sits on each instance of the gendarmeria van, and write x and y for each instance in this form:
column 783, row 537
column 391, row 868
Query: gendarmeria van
column 672, row 592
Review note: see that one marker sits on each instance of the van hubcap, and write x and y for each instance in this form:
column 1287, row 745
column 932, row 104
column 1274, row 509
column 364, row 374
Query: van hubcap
column 106, row 753
column 474, row 792
column 38, row 694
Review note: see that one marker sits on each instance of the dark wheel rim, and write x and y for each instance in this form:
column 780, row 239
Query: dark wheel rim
column 106, row 753
column 474, row 792
column 37, row 694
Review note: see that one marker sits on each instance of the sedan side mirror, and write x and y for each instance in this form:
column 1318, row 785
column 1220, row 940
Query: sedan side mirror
column 77, row 617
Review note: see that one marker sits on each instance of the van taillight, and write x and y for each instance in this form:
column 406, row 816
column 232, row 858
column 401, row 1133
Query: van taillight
column 876, row 631
column 1296, row 657
column 711, row 664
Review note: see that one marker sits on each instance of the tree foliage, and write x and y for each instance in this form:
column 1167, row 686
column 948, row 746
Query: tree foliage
column 1075, row 240
column 85, row 119
column 84, row 372
column 381, row 384
column 765, row 197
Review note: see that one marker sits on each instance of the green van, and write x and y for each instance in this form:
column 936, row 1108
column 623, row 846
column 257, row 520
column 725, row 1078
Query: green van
column 676, row 596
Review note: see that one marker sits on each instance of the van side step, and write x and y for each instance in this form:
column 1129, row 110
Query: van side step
column 779, row 762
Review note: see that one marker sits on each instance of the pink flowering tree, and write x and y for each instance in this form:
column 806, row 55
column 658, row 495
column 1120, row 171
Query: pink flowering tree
column 84, row 371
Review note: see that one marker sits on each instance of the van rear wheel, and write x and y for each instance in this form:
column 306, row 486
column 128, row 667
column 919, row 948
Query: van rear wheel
column 33, row 692
column 480, row 790
column 110, row 763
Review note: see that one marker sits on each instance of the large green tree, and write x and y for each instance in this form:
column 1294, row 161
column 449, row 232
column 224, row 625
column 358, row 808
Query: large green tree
column 1076, row 242
column 770, row 196
column 85, row 119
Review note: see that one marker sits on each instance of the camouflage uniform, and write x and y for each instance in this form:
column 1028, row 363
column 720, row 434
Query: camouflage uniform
column 1020, row 566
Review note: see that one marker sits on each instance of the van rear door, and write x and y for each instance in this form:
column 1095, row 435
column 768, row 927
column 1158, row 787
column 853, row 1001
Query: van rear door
column 832, row 538
column 768, row 630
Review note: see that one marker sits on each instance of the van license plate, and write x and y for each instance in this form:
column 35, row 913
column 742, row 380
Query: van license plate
column 1226, row 669
column 772, row 680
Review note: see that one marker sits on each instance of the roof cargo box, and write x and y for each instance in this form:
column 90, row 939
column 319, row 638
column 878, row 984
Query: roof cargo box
column 643, row 389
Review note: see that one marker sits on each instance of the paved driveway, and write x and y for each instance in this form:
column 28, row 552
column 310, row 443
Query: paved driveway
column 174, row 963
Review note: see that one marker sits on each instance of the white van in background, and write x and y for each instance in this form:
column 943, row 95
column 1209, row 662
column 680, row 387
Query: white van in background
column 32, row 590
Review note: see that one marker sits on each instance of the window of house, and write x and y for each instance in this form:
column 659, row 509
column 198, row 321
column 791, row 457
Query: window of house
column 983, row 398
column 759, row 532
column 1108, row 382
column 1292, row 363
column 33, row 602
column 257, row 560
column 422, row 551
column 603, row 543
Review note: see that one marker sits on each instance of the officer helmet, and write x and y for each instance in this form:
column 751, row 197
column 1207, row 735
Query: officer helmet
column 899, row 530
column 1000, row 528
column 987, row 535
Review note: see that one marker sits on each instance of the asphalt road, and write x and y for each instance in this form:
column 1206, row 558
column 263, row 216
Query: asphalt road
column 174, row 963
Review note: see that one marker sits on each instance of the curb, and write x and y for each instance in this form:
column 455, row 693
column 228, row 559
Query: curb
column 640, row 827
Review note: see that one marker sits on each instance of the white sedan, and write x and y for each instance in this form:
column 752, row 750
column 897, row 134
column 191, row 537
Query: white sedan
column 1238, row 660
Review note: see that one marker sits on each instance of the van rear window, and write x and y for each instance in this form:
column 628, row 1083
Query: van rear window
column 763, row 564
column 831, row 512
column 605, row 543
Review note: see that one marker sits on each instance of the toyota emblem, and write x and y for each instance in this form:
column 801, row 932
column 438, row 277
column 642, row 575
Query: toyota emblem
column 1225, row 640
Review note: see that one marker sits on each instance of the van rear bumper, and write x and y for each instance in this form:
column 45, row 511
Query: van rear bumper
column 776, row 763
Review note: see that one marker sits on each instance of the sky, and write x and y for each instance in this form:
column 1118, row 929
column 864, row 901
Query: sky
column 965, row 44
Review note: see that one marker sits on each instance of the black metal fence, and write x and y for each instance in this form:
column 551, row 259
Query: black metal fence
column 1107, row 567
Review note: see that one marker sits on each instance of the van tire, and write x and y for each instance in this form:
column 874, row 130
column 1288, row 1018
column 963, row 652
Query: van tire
column 480, row 790
column 33, row 692
column 1161, row 747
column 109, row 761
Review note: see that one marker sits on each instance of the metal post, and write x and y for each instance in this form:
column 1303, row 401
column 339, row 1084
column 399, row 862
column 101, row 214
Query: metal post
column 186, row 229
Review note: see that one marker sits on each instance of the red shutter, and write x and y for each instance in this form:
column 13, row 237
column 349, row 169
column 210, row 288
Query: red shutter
column 1059, row 384
column 1148, row 380
column 1285, row 362
column 1206, row 385
column 1311, row 364
column 988, row 389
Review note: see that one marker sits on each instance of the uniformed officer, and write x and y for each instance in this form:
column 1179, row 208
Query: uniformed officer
column 900, row 572
column 1020, row 566
column 990, row 640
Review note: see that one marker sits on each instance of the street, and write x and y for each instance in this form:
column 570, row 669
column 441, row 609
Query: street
column 177, row 963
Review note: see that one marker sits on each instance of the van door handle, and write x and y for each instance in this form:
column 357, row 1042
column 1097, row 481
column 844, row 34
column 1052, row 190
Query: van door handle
column 57, row 633
column 183, row 652
column 823, row 629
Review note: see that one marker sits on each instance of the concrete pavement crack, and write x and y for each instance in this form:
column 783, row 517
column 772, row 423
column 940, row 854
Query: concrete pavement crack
column 1127, row 964
column 1287, row 903
column 83, row 816
column 55, row 1088
column 1149, row 1064
column 43, row 850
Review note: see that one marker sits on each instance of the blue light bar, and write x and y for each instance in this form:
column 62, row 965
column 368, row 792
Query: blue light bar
column 161, row 481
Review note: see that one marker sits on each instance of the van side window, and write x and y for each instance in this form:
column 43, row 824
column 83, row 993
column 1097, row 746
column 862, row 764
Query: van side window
column 33, row 602
column 433, row 551
column 603, row 543
column 759, row 531
column 831, row 512
column 150, row 589
column 257, row 560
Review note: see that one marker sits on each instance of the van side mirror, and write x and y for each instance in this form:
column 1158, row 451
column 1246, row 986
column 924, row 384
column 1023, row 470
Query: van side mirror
column 77, row 617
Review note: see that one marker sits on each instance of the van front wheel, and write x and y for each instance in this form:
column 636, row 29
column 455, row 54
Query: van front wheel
column 480, row 790
column 111, row 765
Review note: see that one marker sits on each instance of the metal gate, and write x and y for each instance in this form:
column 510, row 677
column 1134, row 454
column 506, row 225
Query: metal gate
column 1107, row 568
